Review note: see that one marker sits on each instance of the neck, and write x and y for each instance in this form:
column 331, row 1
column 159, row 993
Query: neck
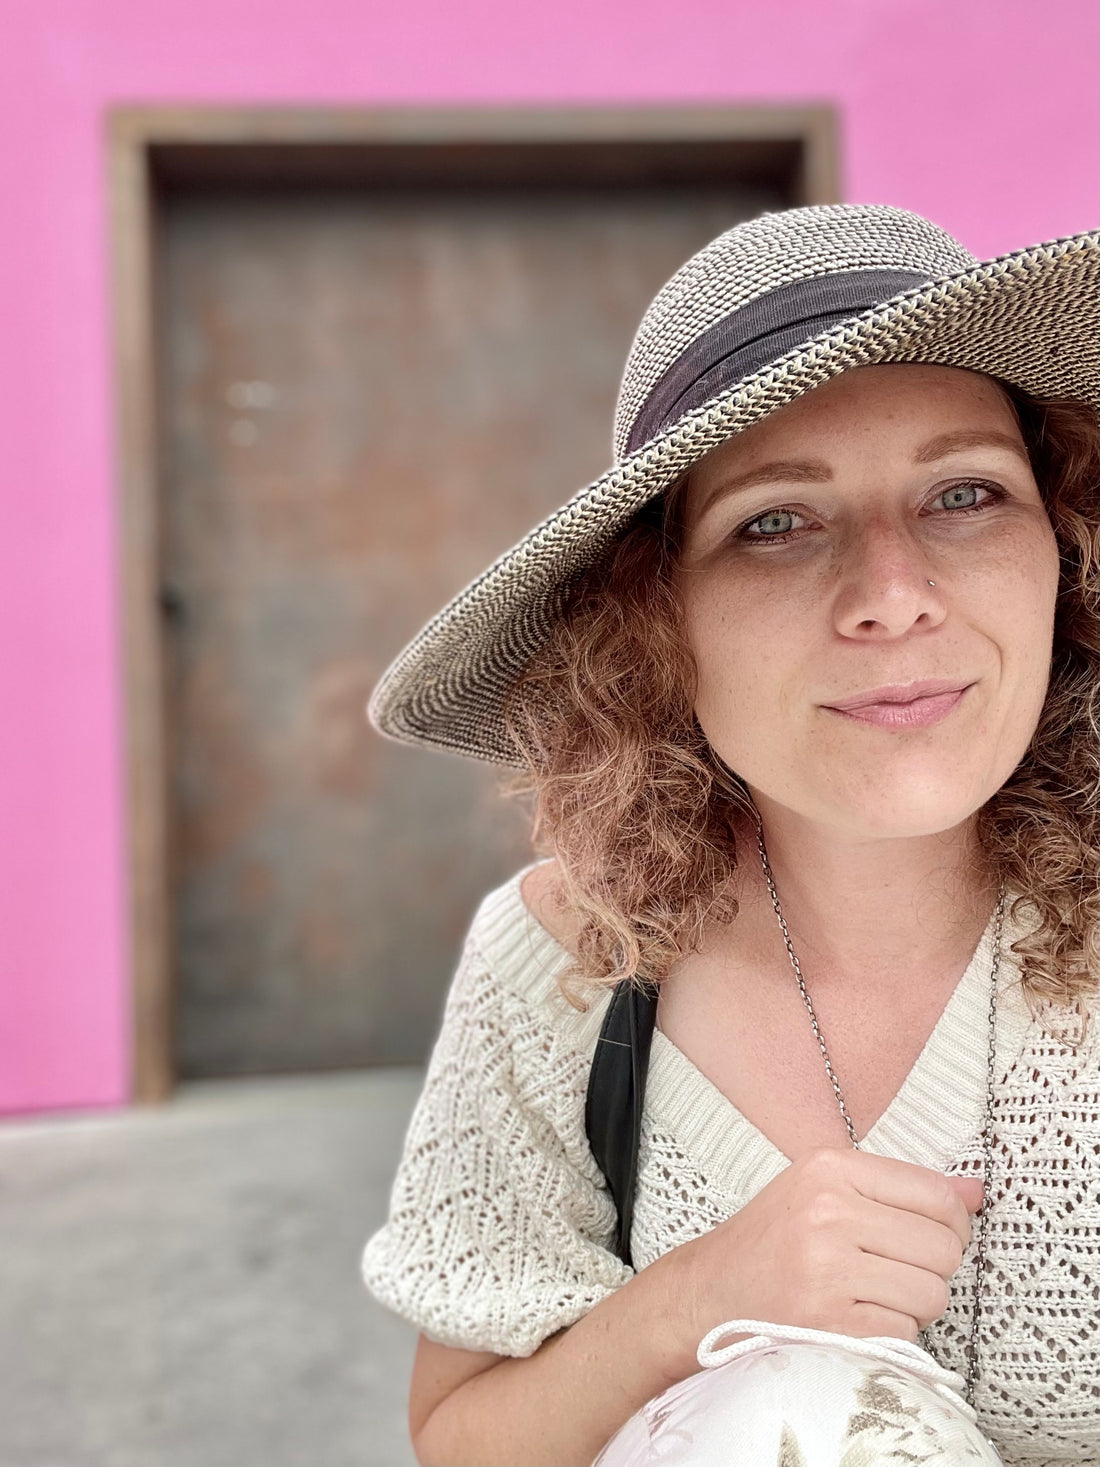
column 866, row 912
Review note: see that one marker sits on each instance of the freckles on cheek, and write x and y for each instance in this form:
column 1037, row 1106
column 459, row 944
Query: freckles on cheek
column 1015, row 607
column 713, row 634
column 1024, row 571
column 731, row 652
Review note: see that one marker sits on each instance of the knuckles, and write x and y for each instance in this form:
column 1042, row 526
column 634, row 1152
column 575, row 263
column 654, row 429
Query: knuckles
column 825, row 1210
column 823, row 1163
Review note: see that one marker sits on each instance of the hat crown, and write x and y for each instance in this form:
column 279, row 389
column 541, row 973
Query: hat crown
column 761, row 255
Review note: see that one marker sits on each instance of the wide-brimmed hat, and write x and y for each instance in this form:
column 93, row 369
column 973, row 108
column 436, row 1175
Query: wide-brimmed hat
column 763, row 314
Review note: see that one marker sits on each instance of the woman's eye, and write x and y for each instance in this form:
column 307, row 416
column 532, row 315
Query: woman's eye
column 962, row 496
column 770, row 525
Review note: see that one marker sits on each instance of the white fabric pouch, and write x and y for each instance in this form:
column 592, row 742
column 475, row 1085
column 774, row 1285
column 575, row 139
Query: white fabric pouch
column 791, row 1397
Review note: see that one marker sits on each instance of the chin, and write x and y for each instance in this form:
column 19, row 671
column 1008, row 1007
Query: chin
column 898, row 817
column 916, row 825
column 900, row 799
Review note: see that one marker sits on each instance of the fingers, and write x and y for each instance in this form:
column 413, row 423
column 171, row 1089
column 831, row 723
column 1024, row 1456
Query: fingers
column 910, row 1238
column 914, row 1292
column 971, row 1190
column 868, row 1320
column 899, row 1184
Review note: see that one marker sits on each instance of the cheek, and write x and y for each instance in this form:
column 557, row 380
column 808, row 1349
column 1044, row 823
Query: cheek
column 1022, row 592
column 743, row 650
column 1028, row 645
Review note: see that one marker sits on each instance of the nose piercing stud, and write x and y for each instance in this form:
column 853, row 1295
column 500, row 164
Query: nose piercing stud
column 931, row 583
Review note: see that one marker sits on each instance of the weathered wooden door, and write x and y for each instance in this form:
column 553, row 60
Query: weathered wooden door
column 366, row 395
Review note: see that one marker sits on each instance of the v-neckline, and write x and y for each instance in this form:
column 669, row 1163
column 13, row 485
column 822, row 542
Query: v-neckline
column 938, row 1109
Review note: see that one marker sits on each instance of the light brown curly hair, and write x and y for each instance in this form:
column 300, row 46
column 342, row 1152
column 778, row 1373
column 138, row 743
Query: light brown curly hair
column 647, row 823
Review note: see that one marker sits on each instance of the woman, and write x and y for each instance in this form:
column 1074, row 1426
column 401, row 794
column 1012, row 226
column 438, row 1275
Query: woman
column 803, row 688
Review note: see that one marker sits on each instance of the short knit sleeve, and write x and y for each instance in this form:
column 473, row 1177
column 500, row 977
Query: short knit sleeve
column 500, row 1225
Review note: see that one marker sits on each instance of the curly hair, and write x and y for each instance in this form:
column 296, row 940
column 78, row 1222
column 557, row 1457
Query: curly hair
column 646, row 822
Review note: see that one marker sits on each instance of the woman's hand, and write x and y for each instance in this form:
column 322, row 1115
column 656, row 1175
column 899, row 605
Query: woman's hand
column 842, row 1241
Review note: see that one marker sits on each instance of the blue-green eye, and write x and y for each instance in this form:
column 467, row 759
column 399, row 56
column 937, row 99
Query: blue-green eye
column 964, row 496
column 770, row 525
column 970, row 486
column 778, row 527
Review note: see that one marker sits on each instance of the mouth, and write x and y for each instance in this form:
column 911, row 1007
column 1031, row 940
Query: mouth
column 913, row 712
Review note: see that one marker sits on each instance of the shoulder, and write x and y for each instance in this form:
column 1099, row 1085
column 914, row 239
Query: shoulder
column 543, row 894
column 521, row 941
column 512, row 1043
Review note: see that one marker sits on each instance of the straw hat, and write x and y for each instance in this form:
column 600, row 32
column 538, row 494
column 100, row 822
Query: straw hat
column 764, row 313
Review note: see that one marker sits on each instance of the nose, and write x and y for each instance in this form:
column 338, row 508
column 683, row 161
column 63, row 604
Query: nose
column 887, row 584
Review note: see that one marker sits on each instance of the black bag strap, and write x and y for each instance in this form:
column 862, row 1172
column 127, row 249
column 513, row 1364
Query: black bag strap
column 616, row 1089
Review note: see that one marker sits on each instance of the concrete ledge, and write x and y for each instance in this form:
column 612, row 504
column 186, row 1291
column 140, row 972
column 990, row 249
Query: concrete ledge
column 179, row 1285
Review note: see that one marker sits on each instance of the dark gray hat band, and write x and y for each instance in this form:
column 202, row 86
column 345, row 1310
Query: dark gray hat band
column 758, row 333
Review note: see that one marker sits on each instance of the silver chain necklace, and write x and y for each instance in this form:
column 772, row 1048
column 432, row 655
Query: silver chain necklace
column 987, row 1135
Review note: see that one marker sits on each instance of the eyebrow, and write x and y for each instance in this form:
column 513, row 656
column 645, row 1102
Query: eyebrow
column 814, row 471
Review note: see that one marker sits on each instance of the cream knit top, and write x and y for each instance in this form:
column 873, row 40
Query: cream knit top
column 500, row 1226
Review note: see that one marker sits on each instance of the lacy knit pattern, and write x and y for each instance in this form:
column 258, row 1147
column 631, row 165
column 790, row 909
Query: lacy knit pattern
column 500, row 1228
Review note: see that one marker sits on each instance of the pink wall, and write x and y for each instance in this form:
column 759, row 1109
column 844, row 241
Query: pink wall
column 966, row 110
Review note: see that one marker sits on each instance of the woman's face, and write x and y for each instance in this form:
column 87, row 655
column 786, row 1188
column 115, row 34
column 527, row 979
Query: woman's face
column 809, row 544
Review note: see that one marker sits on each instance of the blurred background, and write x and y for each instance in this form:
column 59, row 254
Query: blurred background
column 310, row 311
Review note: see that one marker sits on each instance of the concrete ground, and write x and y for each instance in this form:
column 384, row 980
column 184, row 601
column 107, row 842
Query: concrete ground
column 179, row 1285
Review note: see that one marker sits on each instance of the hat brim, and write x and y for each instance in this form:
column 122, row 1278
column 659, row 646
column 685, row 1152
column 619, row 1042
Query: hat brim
column 1029, row 318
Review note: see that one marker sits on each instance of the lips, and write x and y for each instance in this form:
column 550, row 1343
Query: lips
column 899, row 693
column 903, row 705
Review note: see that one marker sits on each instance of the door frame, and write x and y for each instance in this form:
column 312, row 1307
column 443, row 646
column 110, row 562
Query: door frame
column 151, row 149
